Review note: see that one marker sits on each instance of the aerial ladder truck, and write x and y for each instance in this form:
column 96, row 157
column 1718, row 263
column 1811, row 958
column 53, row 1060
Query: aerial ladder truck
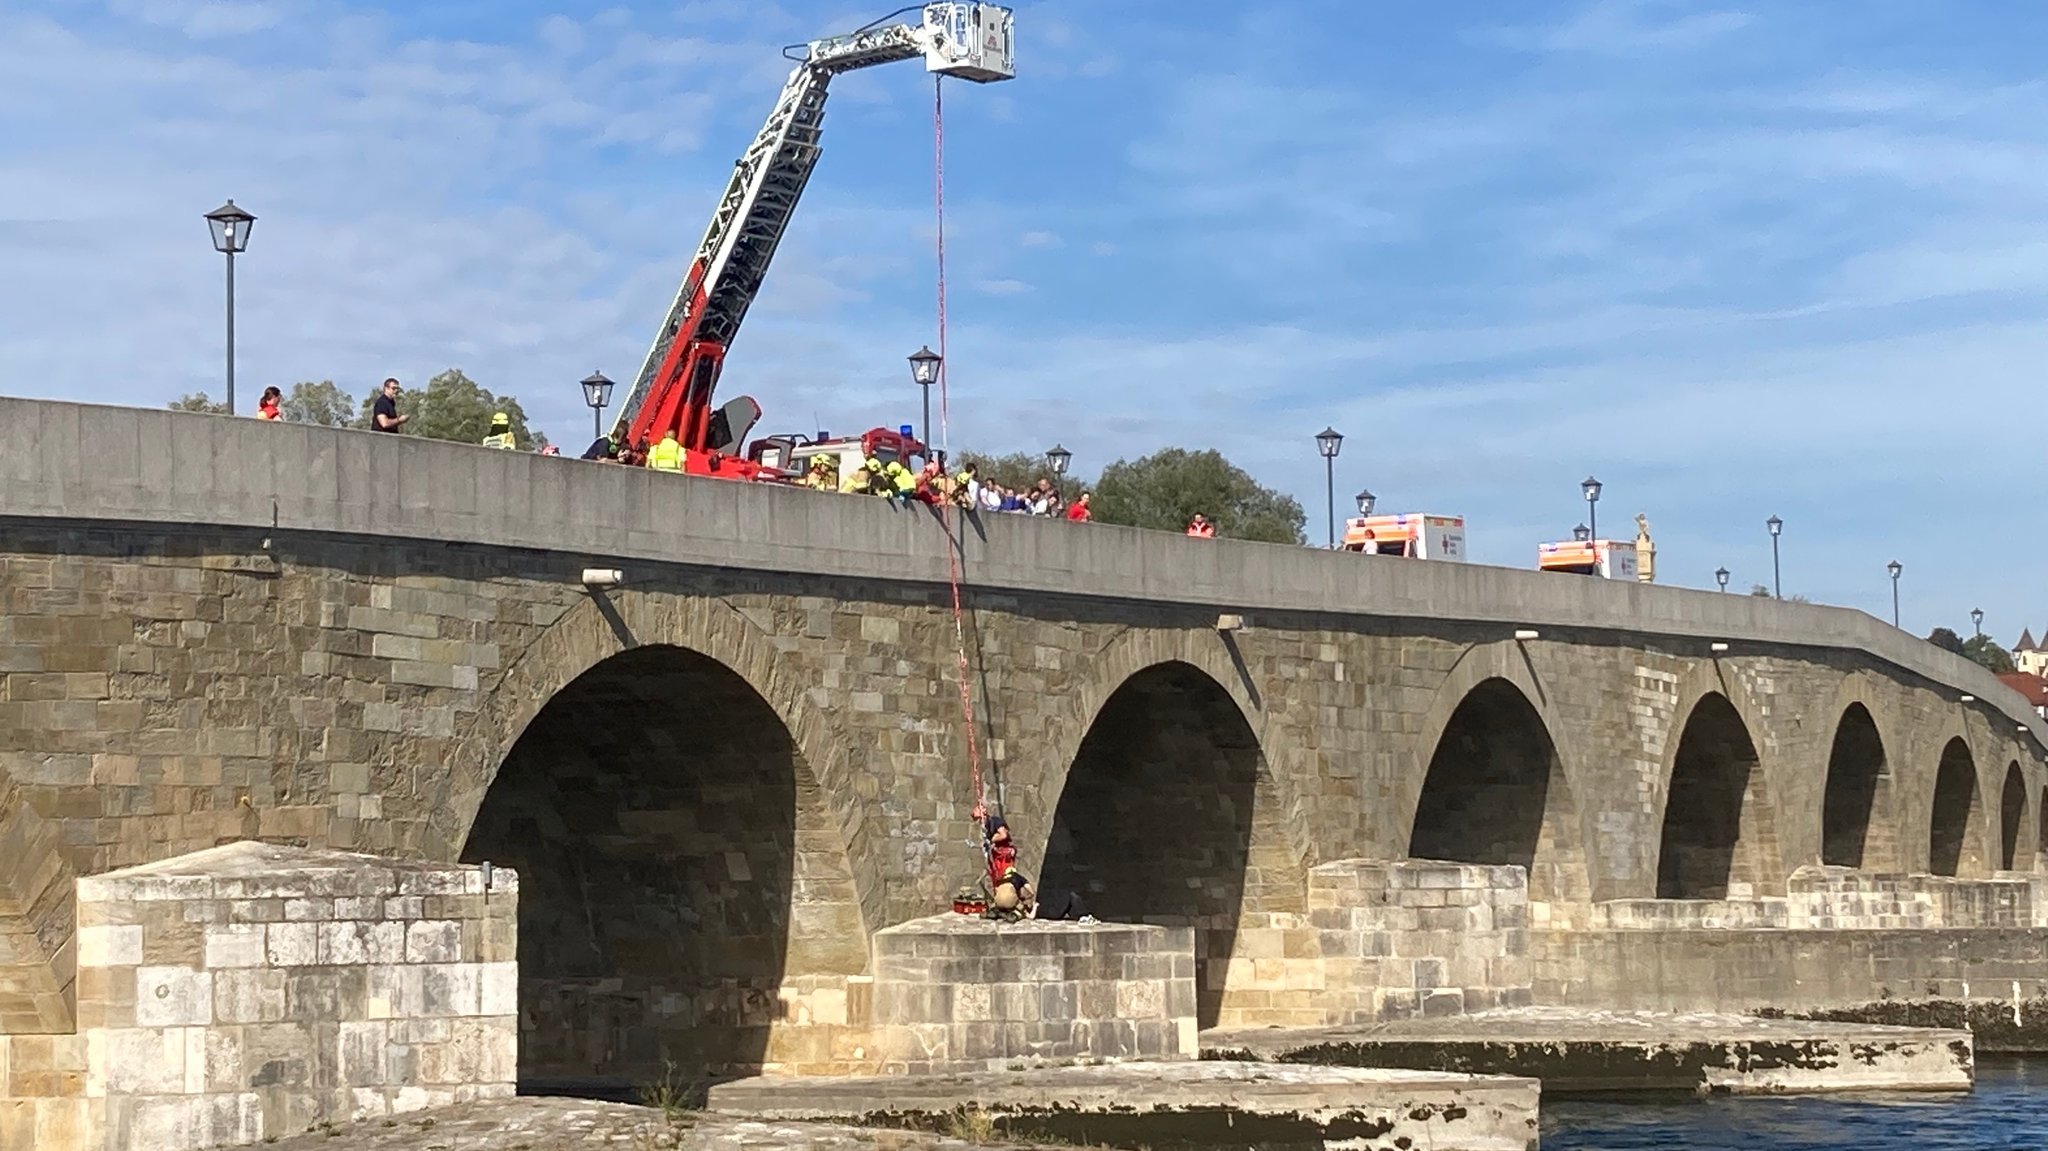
column 673, row 391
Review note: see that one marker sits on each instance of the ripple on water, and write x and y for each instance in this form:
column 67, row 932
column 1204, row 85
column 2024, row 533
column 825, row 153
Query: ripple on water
column 2007, row 1112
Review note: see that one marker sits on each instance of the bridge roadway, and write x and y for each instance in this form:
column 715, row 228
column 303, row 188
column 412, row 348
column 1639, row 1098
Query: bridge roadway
column 719, row 779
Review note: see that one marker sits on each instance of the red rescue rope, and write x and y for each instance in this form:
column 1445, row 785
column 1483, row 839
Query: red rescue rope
column 954, row 538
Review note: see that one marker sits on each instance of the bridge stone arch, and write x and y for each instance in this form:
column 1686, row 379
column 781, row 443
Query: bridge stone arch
column 1168, row 810
column 1958, row 839
column 1716, row 801
column 1858, row 816
column 687, row 895
column 2012, row 816
column 593, row 630
column 1491, row 781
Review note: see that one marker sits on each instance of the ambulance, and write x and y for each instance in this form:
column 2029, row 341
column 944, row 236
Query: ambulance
column 1414, row 535
column 1608, row 559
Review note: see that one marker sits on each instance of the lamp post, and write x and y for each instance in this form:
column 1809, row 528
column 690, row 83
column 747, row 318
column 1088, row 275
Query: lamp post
column 1977, row 621
column 1895, row 567
column 597, row 392
column 1330, row 441
column 1059, row 458
column 1366, row 500
column 1777, row 582
column 231, row 227
column 1582, row 533
column 1721, row 577
column 1590, row 487
column 924, row 369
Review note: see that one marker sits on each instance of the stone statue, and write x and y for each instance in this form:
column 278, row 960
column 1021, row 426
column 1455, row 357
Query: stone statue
column 1646, row 551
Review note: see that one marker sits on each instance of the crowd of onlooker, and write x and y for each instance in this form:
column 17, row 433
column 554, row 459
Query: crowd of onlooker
column 893, row 479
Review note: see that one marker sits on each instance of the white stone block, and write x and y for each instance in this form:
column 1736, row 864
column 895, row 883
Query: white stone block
column 134, row 1061
column 235, row 945
column 173, row 997
column 433, row 941
column 292, row 944
column 363, row 1054
column 500, row 990
column 450, row 989
column 110, row 946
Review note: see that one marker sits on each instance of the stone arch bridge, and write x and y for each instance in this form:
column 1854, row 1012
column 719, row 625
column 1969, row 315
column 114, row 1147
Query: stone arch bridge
column 718, row 779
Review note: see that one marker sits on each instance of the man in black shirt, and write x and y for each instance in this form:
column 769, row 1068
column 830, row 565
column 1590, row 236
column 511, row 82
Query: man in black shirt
column 384, row 415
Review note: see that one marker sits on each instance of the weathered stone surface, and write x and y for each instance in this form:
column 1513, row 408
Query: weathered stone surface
column 957, row 992
column 529, row 1124
column 195, row 1030
column 1584, row 1050
column 1180, row 1104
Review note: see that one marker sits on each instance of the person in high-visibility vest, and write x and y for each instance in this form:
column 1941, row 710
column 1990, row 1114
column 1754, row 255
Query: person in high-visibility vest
column 501, row 433
column 667, row 455
column 1200, row 527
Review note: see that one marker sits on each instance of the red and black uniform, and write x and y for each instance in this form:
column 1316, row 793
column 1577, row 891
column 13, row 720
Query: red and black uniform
column 1002, row 856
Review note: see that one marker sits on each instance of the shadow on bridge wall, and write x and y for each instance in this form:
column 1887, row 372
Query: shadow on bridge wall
column 1496, row 793
column 1168, row 816
column 1859, row 788
column 1719, row 836
column 680, row 877
column 1955, row 843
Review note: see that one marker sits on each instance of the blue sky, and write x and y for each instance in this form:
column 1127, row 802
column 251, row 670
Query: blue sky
column 1737, row 261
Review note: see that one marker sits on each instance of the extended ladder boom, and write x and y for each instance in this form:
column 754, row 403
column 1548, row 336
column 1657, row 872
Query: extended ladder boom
column 674, row 387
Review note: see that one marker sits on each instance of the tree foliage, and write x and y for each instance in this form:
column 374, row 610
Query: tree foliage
column 1946, row 640
column 197, row 402
column 321, row 403
column 1986, row 651
column 1164, row 490
column 454, row 407
column 1760, row 591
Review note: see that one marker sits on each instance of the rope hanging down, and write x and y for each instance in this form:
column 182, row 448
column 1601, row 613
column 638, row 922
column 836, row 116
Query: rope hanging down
column 954, row 540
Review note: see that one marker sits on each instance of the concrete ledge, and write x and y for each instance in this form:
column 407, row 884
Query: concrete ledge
column 1584, row 1051
column 1176, row 1104
column 82, row 462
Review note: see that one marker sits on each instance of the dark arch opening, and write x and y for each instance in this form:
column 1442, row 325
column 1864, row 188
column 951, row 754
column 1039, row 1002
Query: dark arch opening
column 1857, row 775
column 1495, row 793
column 1156, row 821
column 667, row 835
column 1715, row 834
column 1951, row 847
column 2012, row 815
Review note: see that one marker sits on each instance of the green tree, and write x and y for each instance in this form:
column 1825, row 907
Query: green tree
column 454, row 407
column 197, row 402
column 1946, row 640
column 1986, row 651
column 1760, row 591
column 1164, row 490
column 321, row 403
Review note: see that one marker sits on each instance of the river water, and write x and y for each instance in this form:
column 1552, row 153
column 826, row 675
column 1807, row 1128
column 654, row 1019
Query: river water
column 2007, row 1112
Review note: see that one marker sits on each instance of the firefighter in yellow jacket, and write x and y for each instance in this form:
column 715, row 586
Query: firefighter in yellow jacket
column 501, row 433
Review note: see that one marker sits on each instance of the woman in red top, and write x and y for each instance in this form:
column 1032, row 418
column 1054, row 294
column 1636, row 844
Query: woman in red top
column 267, row 407
column 1078, row 510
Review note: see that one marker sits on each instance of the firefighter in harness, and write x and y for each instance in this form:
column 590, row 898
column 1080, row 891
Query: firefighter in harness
column 1011, row 896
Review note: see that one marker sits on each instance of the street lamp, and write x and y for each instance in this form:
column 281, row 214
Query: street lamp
column 1582, row 533
column 1777, row 582
column 1977, row 621
column 1721, row 577
column 231, row 227
column 1895, row 567
column 1591, row 488
column 597, row 392
column 1366, row 500
column 1330, row 441
column 1059, row 458
column 924, row 370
